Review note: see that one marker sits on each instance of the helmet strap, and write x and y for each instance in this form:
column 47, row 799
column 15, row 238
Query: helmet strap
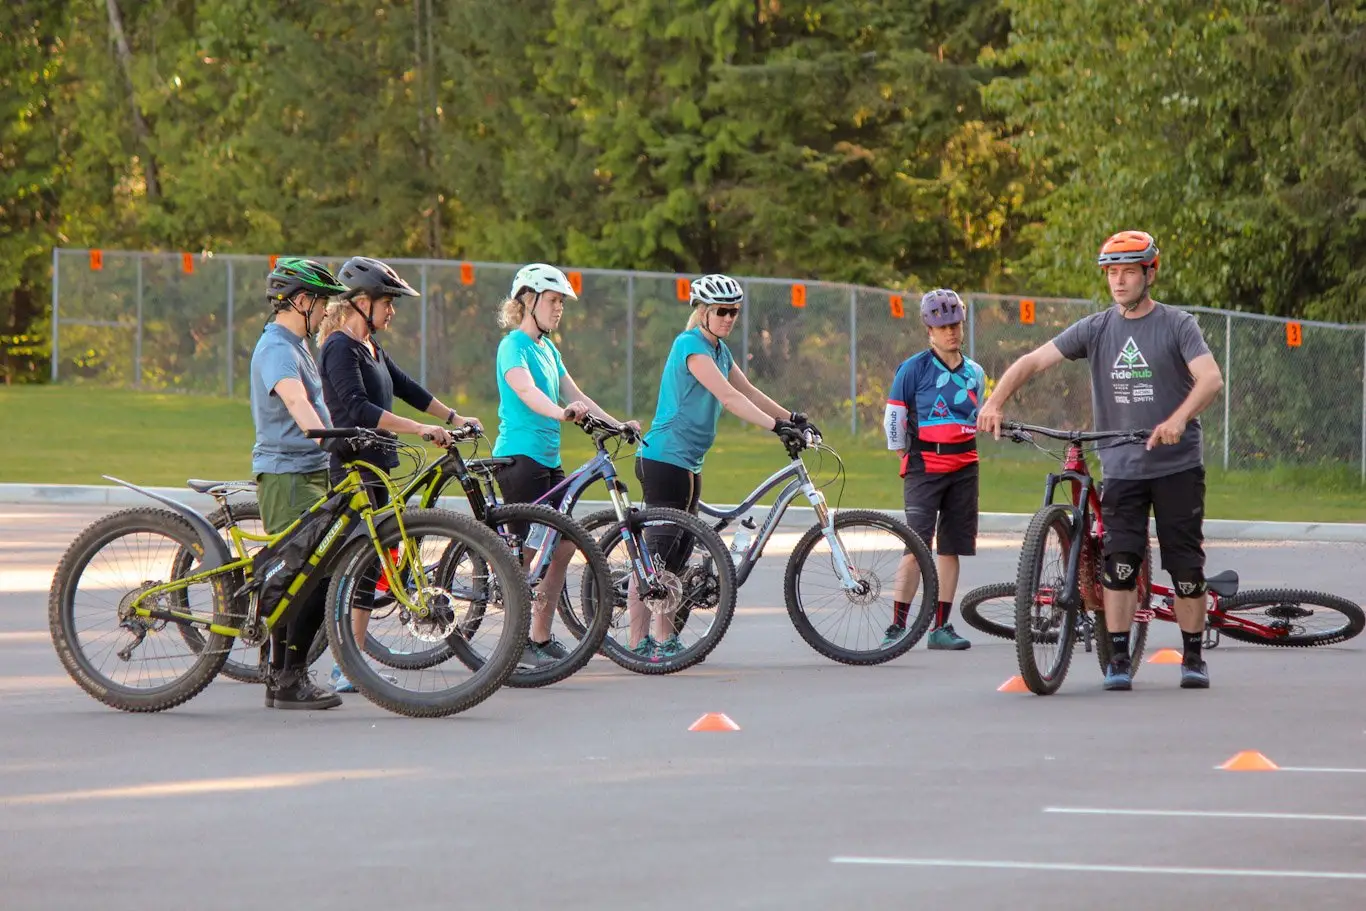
column 369, row 322
column 1147, row 283
column 536, row 319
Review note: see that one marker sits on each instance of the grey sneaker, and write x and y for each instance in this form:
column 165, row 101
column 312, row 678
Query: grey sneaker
column 1194, row 675
column 539, row 654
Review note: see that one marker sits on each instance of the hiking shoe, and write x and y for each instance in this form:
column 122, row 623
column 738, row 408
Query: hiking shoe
column 341, row 685
column 669, row 647
column 1194, row 674
column 295, row 689
column 647, row 649
column 893, row 635
column 539, row 654
column 945, row 639
column 339, row 682
column 1118, row 675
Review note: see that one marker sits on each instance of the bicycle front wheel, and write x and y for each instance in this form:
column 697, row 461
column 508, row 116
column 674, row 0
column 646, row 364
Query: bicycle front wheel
column 491, row 607
column 694, row 587
column 1288, row 617
column 128, row 662
column 584, row 593
column 1045, row 631
column 990, row 609
column 850, row 625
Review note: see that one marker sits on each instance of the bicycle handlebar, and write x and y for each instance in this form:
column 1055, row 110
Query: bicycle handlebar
column 593, row 425
column 1017, row 430
column 344, row 433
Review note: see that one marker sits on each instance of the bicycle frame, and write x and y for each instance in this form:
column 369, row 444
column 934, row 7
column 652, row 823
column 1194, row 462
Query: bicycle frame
column 1086, row 516
column 796, row 481
column 358, row 508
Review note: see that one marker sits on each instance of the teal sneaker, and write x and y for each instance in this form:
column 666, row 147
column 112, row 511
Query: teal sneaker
column 670, row 647
column 647, row 649
column 339, row 682
column 893, row 635
column 945, row 639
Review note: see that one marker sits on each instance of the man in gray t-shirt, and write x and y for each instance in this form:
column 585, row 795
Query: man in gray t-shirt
column 1150, row 368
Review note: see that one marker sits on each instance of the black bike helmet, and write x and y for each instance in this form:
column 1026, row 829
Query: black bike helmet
column 363, row 275
column 293, row 274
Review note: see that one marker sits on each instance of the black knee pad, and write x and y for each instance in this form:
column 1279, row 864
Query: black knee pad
column 1121, row 572
column 1189, row 583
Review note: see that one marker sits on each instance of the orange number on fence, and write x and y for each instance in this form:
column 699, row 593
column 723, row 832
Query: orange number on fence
column 799, row 295
column 1027, row 312
column 682, row 289
column 273, row 260
column 96, row 260
column 467, row 273
column 576, row 282
column 1294, row 334
column 187, row 263
column 898, row 309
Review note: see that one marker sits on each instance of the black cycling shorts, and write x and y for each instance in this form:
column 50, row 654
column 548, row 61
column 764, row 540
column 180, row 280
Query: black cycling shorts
column 1177, row 502
column 663, row 484
column 942, row 508
column 526, row 481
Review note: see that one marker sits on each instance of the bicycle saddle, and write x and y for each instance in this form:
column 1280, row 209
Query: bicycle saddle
column 488, row 466
column 220, row 488
column 1224, row 584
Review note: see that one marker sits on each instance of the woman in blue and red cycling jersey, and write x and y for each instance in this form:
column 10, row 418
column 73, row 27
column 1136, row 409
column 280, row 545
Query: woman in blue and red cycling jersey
column 931, row 418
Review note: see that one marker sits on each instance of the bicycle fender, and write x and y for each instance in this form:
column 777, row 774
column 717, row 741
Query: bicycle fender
column 215, row 549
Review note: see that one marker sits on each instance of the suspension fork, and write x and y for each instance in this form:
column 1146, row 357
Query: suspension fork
column 825, row 520
column 642, row 563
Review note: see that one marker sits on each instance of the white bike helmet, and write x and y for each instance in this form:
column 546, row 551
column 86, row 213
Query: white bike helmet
column 716, row 289
column 540, row 277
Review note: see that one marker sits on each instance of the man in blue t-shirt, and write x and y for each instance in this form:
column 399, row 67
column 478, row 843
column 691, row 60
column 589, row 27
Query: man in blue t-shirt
column 931, row 419
column 290, row 469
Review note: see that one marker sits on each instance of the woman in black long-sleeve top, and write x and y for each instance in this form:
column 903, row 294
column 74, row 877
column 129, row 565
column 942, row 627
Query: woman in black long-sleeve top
column 360, row 382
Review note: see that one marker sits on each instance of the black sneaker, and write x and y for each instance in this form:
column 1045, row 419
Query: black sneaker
column 295, row 689
column 1194, row 674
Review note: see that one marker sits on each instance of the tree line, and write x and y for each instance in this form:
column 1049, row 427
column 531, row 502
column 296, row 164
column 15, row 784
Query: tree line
column 982, row 144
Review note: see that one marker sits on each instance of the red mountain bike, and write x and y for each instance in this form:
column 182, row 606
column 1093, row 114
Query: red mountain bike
column 1058, row 595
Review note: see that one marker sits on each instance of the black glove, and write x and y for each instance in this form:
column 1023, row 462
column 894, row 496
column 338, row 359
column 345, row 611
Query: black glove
column 343, row 448
column 801, row 420
column 788, row 432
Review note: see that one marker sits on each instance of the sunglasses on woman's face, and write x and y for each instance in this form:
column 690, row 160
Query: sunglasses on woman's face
column 727, row 312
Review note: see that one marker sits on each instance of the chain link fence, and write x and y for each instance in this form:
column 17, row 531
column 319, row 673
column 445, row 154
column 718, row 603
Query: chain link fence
column 1295, row 393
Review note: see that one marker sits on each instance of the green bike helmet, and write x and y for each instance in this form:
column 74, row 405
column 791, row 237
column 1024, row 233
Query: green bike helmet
column 293, row 274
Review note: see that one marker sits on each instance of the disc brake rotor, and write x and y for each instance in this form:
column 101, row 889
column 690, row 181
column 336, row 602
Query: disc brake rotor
column 443, row 617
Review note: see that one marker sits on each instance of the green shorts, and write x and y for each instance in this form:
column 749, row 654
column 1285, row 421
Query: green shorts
column 285, row 497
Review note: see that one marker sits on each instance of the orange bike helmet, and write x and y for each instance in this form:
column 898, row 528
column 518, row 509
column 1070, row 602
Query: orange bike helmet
column 1128, row 247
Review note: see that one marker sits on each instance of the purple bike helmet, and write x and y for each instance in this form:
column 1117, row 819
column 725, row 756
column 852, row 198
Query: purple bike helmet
column 942, row 307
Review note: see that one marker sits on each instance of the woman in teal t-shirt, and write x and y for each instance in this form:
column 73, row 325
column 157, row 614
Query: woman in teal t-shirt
column 700, row 378
column 532, row 382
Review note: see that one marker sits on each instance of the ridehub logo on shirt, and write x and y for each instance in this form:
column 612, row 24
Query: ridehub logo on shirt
column 1131, row 365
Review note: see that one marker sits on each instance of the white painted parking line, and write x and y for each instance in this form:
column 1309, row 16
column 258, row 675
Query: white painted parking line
column 1091, row 868
column 1203, row 814
column 1291, row 768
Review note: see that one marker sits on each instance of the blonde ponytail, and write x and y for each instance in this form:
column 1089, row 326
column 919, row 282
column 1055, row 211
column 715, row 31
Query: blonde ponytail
column 695, row 318
column 511, row 314
column 332, row 318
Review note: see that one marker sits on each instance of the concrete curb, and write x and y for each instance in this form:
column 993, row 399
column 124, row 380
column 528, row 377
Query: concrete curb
column 796, row 517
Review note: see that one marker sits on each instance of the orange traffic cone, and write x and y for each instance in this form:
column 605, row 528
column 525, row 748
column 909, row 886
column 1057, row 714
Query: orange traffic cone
column 714, row 721
column 1015, row 684
column 1249, row 761
column 1165, row 656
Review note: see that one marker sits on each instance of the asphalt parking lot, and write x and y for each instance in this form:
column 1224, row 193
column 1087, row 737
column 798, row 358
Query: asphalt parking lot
column 913, row 784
